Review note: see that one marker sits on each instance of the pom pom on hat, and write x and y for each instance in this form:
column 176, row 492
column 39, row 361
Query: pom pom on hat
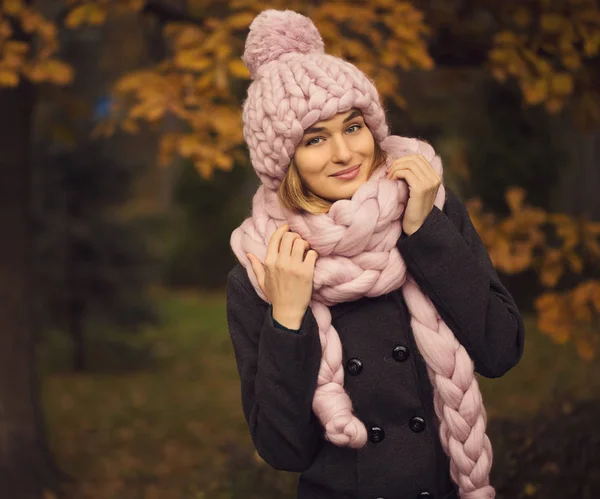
column 276, row 32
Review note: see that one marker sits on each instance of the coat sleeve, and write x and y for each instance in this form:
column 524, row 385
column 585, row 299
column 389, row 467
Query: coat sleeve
column 278, row 373
column 450, row 263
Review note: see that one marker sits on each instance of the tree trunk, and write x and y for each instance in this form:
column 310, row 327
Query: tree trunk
column 26, row 467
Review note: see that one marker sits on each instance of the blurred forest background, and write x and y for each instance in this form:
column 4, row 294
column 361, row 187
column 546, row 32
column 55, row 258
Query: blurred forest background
column 123, row 172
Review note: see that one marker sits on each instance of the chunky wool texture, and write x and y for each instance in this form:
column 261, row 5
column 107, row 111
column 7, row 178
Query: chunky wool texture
column 295, row 85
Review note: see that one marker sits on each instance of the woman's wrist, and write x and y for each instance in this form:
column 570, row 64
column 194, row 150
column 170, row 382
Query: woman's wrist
column 288, row 319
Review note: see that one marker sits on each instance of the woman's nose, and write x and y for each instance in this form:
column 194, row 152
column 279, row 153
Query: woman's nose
column 341, row 151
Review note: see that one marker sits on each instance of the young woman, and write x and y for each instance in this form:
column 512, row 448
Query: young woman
column 364, row 300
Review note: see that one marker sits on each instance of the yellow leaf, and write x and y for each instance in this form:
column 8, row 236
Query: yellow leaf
column 104, row 129
column 584, row 349
column 553, row 23
column 205, row 169
column 16, row 47
column 406, row 33
column 550, row 275
column 76, row 17
column 591, row 45
column 562, row 83
column 535, row 91
column 97, row 16
column 87, row 13
column 222, row 51
column 238, row 68
column 189, row 59
column 130, row 126
column 137, row 5
column 571, row 60
column 224, row 161
column 499, row 74
column 575, row 261
column 58, row 72
column 554, row 105
column 240, row 21
column 514, row 198
column 204, row 81
column 13, row 7
column 9, row 79
column 336, row 11
column 530, row 489
column 522, row 17
column 506, row 38
column 188, row 145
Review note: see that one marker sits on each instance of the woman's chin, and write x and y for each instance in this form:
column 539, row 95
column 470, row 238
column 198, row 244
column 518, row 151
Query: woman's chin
column 345, row 193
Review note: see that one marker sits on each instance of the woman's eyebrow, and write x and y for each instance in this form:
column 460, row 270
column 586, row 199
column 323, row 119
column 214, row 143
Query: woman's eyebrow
column 315, row 129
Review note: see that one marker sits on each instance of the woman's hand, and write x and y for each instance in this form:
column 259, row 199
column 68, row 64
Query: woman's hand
column 286, row 279
column 423, row 183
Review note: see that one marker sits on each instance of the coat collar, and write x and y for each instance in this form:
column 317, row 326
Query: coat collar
column 341, row 308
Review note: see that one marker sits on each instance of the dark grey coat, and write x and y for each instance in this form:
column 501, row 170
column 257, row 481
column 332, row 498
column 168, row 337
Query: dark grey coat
column 385, row 375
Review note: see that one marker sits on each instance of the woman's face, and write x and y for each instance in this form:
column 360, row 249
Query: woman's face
column 328, row 147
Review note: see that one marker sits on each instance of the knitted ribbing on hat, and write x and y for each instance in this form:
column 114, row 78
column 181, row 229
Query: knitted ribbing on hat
column 356, row 242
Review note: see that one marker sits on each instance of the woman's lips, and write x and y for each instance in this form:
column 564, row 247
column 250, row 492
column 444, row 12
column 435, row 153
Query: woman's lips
column 349, row 175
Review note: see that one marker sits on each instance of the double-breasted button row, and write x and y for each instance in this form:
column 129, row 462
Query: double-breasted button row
column 354, row 366
column 377, row 434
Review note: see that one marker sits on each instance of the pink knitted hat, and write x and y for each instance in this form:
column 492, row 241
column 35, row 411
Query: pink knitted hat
column 295, row 85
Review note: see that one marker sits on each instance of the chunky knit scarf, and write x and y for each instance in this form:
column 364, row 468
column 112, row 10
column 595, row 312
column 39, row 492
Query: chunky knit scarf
column 356, row 242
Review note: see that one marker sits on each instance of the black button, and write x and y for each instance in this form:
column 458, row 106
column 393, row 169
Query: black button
column 354, row 366
column 425, row 495
column 400, row 353
column 376, row 434
column 417, row 425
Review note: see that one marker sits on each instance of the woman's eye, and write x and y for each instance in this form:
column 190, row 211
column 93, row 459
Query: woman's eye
column 350, row 129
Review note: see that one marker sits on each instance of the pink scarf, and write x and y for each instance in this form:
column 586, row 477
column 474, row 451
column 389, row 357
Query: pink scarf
column 356, row 242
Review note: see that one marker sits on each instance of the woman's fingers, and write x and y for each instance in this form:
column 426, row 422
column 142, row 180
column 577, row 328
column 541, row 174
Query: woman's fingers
column 411, row 179
column 410, row 163
column 418, row 164
column 274, row 243
column 259, row 270
column 286, row 247
column 311, row 258
column 285, row 250
column 299, row 248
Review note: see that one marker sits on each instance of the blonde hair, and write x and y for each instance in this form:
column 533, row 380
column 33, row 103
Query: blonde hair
column 295, row 196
